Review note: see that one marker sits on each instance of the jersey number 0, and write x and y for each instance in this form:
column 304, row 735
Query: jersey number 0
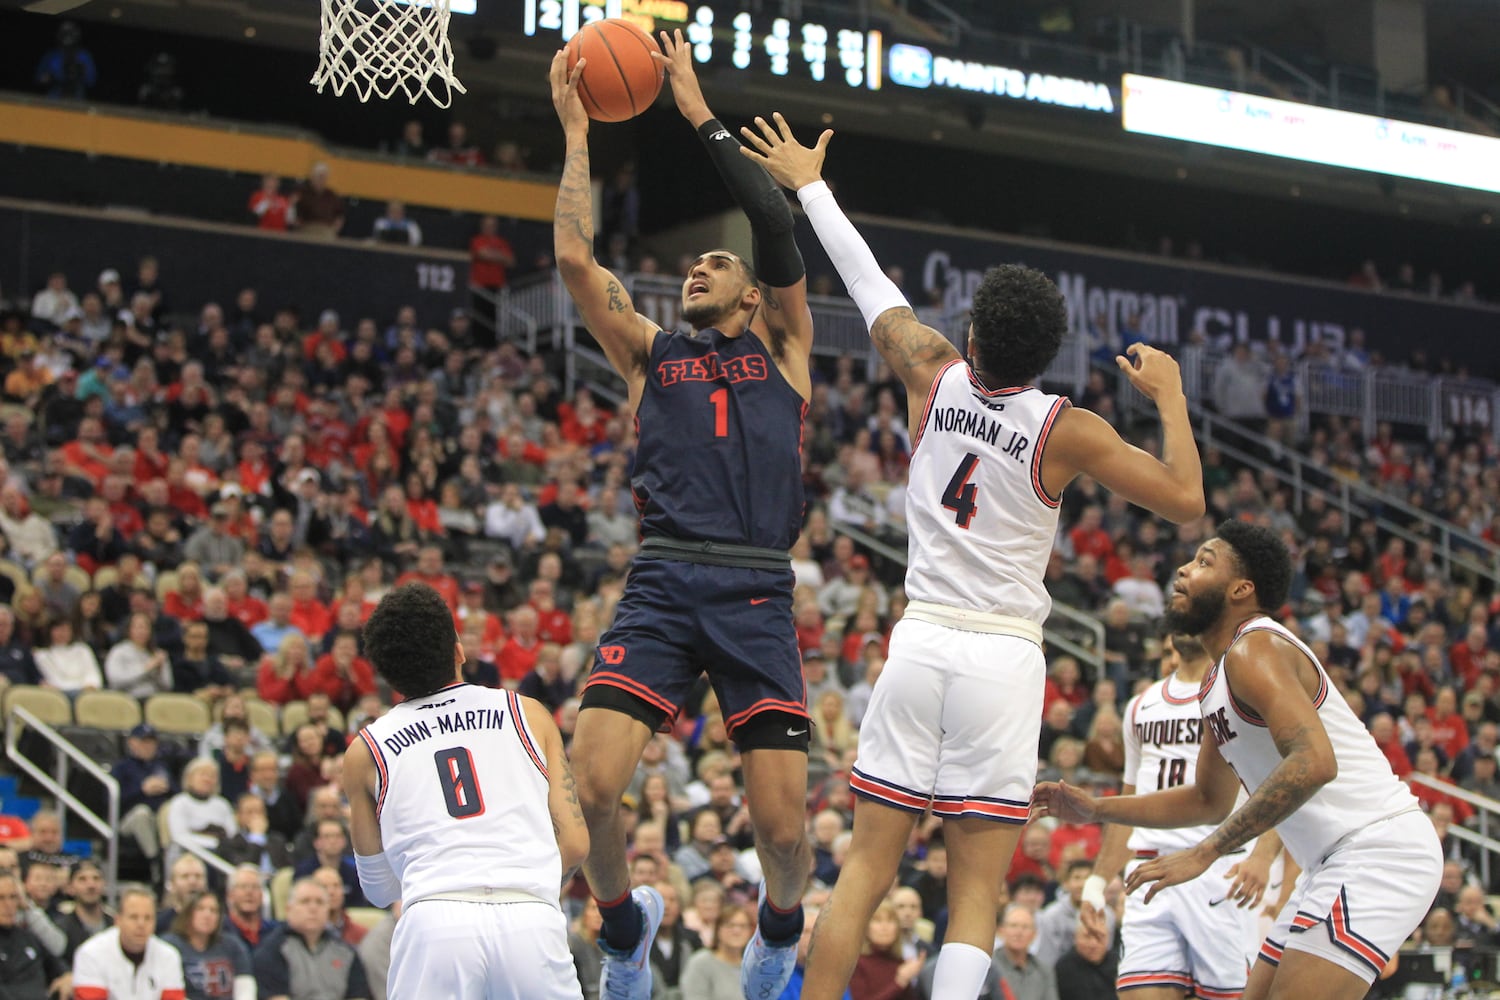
column 460, row 784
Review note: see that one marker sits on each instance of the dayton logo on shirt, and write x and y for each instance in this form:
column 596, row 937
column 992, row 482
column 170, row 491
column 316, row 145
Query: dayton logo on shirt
column 710, row 369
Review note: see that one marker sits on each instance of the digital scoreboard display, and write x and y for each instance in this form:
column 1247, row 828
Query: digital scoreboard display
column 796, row 49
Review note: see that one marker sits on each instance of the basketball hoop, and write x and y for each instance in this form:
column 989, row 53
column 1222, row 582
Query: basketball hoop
column 382, row 46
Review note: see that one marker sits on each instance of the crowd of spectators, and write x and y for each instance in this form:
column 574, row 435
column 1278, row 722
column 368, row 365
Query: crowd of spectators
column 239, row 491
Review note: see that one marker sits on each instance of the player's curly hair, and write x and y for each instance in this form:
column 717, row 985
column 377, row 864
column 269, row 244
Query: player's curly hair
column 1019, row 320
column 410, row 638
column 1263, row 558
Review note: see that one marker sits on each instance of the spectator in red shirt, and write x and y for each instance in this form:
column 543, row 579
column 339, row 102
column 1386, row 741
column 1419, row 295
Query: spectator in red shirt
column 272, row 209
column 489, row 256
column 1066, row 682
column 472, row 610
column 553, row 623
column 430, row 570
column 1031, row 854
column 342, row 674
column 186, row 602
column 1383, row 728
column 310, row 616
column 150, row 461
column 242, row 604
column 1467, row 657
column 582, row 421
column 1089, row 537
column 518, row 655
column 459, row 152
column 327, row 333
column 89, row 453
column 1449, row 731
column 280, row 674
column 1427, row 764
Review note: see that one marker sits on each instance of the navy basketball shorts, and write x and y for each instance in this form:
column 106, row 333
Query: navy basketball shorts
column 677, row 620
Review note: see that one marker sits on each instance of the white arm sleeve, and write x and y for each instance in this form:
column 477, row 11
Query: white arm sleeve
column 868, row 286
column 378, row 879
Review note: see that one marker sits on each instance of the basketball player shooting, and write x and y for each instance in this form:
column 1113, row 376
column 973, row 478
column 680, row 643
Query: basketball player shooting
column 462, row 807
column 955, row 719
column 1371, row 861
column 718, row 481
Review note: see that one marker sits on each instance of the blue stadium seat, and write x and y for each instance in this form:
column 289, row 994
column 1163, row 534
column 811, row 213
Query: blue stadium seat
column 8, row 786
column 20, row 806
column 82, row 848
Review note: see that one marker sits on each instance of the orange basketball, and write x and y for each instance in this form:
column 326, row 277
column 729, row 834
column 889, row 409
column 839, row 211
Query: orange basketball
column 620, row 80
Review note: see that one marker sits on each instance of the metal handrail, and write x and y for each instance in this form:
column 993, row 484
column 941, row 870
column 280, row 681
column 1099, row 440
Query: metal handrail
column 209, row 858
column 107, row 827
column 1483, row 806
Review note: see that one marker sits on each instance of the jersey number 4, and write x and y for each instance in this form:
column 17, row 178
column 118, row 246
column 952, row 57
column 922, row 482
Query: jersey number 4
column 960, row 495
column 460, row 784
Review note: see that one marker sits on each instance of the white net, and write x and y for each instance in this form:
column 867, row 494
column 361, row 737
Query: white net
column 383, row 46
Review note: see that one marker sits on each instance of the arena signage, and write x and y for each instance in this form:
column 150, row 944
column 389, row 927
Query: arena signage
column 916, row 66
column 1309, row 133
column 1112, row 297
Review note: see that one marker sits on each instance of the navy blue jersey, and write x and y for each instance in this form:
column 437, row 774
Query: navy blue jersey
column 719, row 457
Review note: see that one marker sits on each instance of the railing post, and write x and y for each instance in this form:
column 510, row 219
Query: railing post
column 1484, row 857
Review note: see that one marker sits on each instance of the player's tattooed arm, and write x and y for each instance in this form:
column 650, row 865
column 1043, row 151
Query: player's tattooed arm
column 575, row 814
column 916, row 353
column 1285, row 789
column 1269, row 675
column 573, row 220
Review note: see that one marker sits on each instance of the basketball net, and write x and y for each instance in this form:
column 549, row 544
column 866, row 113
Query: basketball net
column 382, row 46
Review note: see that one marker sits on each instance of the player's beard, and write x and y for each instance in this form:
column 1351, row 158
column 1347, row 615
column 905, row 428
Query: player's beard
column 1199, row 616
column 702, row 315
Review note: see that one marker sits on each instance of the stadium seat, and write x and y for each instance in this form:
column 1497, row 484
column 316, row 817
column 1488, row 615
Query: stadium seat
column 293, row 714
column 178, row 713
column 105, row 576
column 166, row 582
column 111, row 710
column 263, row 717
column 51, row 706
column 82, row 848
column 15, row 572
column 281, row 888
column 74, row 574
column 365, row 916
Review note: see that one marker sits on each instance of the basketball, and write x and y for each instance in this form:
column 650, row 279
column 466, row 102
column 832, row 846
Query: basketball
column 620, row 80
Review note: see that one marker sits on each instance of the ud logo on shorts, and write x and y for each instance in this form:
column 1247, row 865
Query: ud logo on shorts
column 612, row 654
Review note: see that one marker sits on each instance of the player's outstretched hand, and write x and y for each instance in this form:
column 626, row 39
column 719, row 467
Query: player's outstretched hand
column 1153, row 372
column 565, row 92
column 678, row 62
column 1250, row 878
column 1062, row 801
column 775, row 148
column 1169, row 869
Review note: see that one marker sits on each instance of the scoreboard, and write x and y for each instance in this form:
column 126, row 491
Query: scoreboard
column 811, row 51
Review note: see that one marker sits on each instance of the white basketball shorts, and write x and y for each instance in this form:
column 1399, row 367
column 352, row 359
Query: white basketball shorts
column 1190, row 937
column 1356, row 906
column 481, row 951
column 954, row 720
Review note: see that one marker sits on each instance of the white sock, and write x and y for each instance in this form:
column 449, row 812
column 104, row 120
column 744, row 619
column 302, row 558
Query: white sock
column 961, row 972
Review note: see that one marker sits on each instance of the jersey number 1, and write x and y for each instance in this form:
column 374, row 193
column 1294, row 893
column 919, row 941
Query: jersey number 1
column 960, row 494
column 460, row 784
column 720, row 399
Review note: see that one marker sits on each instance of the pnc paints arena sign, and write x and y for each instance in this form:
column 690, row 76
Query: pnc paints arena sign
column 916, row 66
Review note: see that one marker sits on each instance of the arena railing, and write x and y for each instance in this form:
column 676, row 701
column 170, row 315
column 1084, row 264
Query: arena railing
column 66, row 756
column 1484, row 809
column 1372, row 396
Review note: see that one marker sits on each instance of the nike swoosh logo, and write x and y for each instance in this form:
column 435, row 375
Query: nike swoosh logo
column 796, row 732
column 759, row 600
column 1216, row 902
column 1145, row 705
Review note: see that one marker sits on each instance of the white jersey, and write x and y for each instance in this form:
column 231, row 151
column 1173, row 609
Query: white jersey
column 462, row 797
column 1365, row 789
column 981, row 524
column 1163, row 730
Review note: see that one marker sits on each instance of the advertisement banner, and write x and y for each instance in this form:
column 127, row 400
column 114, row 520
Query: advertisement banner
column 1115, row 298
column 205, row 262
